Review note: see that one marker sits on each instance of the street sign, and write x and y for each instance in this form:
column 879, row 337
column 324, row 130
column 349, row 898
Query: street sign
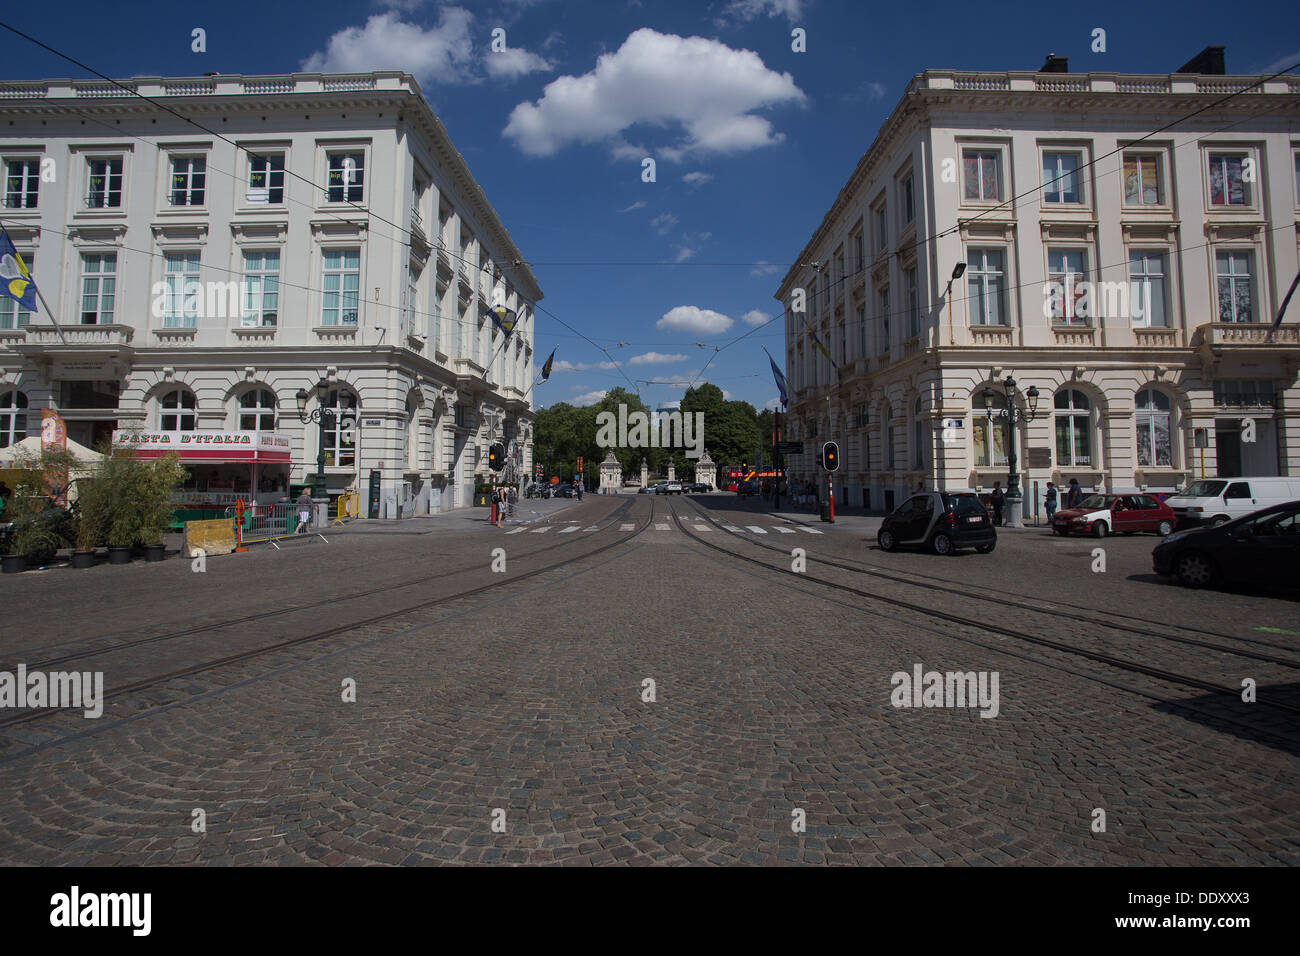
column 1202, row 438
column 789, row 448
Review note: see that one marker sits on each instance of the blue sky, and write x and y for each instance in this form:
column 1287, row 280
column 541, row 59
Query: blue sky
column 751, row 139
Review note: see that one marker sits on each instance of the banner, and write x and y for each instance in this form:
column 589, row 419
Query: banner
column 54, row 437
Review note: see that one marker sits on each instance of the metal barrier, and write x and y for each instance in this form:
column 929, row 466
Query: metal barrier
column 269, row 522
column 347, row 505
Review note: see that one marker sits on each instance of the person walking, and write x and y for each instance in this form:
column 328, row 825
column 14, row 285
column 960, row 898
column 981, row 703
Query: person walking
column 1074, row 497
column 996, row 498
column 304, row 513
column 580, row 488
column 1049, row 501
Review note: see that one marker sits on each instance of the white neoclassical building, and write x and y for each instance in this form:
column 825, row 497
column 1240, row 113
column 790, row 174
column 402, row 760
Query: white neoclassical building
column 1044, row 186
column 302, row 227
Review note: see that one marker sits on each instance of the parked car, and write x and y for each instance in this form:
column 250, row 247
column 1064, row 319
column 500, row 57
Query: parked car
column 698, row 487
column 1100, row 515
column 1217, row 500
column 1260, row 548
column 942, row 521
column 646, row 490
column 671, row 488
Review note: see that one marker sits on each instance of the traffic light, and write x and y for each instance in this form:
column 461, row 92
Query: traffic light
column 496, row 456
column 831, row 456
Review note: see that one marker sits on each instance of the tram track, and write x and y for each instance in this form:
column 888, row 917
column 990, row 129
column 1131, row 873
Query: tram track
column 1120, row 663
column 154, row 680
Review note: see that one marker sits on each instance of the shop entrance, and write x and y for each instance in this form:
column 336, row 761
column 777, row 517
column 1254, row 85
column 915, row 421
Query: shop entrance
column 1235, row 457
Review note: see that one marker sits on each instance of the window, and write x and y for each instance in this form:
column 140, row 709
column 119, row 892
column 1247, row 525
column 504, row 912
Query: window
column 98, row 288
column 882, row 229
column 342, row 286
column 13, row 315
column 1233, row 272
column 23, row 184
column 347, row 174
column 266, row 178
column 1154, row 441
column 860, row 417
column 839, row 265
column 990, row 455
column 889, row 448
column 261, row 288
column 1066, row 272
column 909, row 199
column 862, row 331
column 913, row 304
column 918, row 437
column 986, row 285
column 257, row 410
column 176, row 411
column 410, row 311
column 1247, row 392
column 1061, row 181
column 883, row 298
column 1227, row 185
column 189, row 176
column 1146, row 273
column 13, row 418
column 843, row 343
column 184, row 293
column 105, row 183
column 1142, row 185
column 340, row 430
column 1073, row 429
column 860, row 256
column 983, row 174
column 1296, row 159
column 1238, row 489
column 464, row 416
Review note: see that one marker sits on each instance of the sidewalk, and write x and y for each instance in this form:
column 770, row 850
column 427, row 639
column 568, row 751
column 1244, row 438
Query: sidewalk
column 526, row 510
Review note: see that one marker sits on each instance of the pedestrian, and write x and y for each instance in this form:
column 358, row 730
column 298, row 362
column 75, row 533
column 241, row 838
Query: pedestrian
column 1049, row 501
column 1074, row 496
column 996, row 498
column 920, row 487
column 580, row 488
column 304, row 513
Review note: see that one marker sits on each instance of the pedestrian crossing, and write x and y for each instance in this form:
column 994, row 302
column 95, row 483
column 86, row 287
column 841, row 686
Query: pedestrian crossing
column 665, row 526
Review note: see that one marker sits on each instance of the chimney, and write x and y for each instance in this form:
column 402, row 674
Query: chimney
column 1055, row 64
column 1208, row 62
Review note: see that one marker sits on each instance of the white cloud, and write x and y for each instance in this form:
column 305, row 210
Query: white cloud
column 563, row 366
column 653, row 358
column 664, row 222
column 755, row 317
column 1281, row 63
column 726, row 395
column 773, row 403
column 690, row 318
column 514, row 62
column 683, row 253
column 636, row 205
column 747, row 10
column 697, row 178
column 707, row 88
column 762, row 268
column 589, row 398
column 443, row 53
column 866, row 90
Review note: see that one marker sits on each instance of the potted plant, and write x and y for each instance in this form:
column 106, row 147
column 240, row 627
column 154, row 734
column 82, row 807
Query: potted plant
column 155, row 483
column 41, row 524
column 87, row 534
column 116, row 479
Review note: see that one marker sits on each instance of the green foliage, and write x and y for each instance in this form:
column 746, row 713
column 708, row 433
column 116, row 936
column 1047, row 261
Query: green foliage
column 128, row 501
column 41, row 528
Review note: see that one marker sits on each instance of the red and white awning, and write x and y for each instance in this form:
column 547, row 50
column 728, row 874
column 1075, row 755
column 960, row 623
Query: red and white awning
column 210, row 447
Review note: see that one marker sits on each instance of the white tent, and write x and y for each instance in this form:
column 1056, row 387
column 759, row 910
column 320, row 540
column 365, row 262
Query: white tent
column 30, row 448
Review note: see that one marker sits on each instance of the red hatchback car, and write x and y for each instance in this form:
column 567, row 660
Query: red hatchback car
column 1100, row 515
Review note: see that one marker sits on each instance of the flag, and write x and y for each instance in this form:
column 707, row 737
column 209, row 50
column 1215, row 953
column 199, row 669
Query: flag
column 818, row 343
column 505, row 319
column 1277, row 323
column 780, row 379
column 15, row 279
column 546, row 369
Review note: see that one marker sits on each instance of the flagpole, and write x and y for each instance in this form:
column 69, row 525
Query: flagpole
column 50, row 312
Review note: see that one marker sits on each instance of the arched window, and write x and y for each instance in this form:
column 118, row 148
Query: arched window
column 340, row 429
column 13, row 418
column 1154, row 429
column 176, row 411
column 1073, row 429
column 990, row 447
column 257, row 410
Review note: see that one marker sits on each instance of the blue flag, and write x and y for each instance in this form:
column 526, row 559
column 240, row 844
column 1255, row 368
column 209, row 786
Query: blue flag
column 15, row 279
column 780, row 379
column 546, row 369
column 505, row 319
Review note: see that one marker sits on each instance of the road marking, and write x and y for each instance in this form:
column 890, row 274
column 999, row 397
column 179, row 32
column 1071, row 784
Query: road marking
column 785, row 530
column 756, row 529
column 809, row 530
column 517, row 531
column 592, row 528
column 702, row 527
column 541, row 530
column 661, row 527
column 568, row 530
column 732, row 528
column 627, row 527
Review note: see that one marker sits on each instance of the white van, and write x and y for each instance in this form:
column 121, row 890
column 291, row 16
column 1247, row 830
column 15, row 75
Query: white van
column 1213, row 501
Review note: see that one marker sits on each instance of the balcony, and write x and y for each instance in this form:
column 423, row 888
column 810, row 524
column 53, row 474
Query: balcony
column 990, row 335
column 106, row 346
column 1246, row 333
column 444, row 260
column 1155, row 337
column 1073, row 336
column 92, row 336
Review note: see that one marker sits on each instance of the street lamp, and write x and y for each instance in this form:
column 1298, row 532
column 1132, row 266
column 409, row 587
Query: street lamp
column 958, row 271
column 1014, row 417
column 322, row 415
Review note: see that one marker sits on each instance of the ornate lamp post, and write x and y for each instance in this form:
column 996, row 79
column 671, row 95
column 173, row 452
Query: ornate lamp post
column 1013, row 496
column 322, row 415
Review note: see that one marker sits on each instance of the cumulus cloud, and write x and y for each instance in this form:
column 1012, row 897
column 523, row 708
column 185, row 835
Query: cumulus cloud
column 664, row 222
column 514, row 62
column 690, row 318
column 697, row 178
column 654, row 358
column 683, row 253
column 703, row 86
column 755, row 317
column 443, row 53
column 773, row 403
column 589, row 398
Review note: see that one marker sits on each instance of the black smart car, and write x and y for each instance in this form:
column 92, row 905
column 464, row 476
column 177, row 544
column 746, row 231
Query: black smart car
column 941, row 521
column 1261, row 548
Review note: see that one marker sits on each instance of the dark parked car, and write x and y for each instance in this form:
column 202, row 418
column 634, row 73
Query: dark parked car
column 1261, row 548
column 697, row 487
column 941, row 521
